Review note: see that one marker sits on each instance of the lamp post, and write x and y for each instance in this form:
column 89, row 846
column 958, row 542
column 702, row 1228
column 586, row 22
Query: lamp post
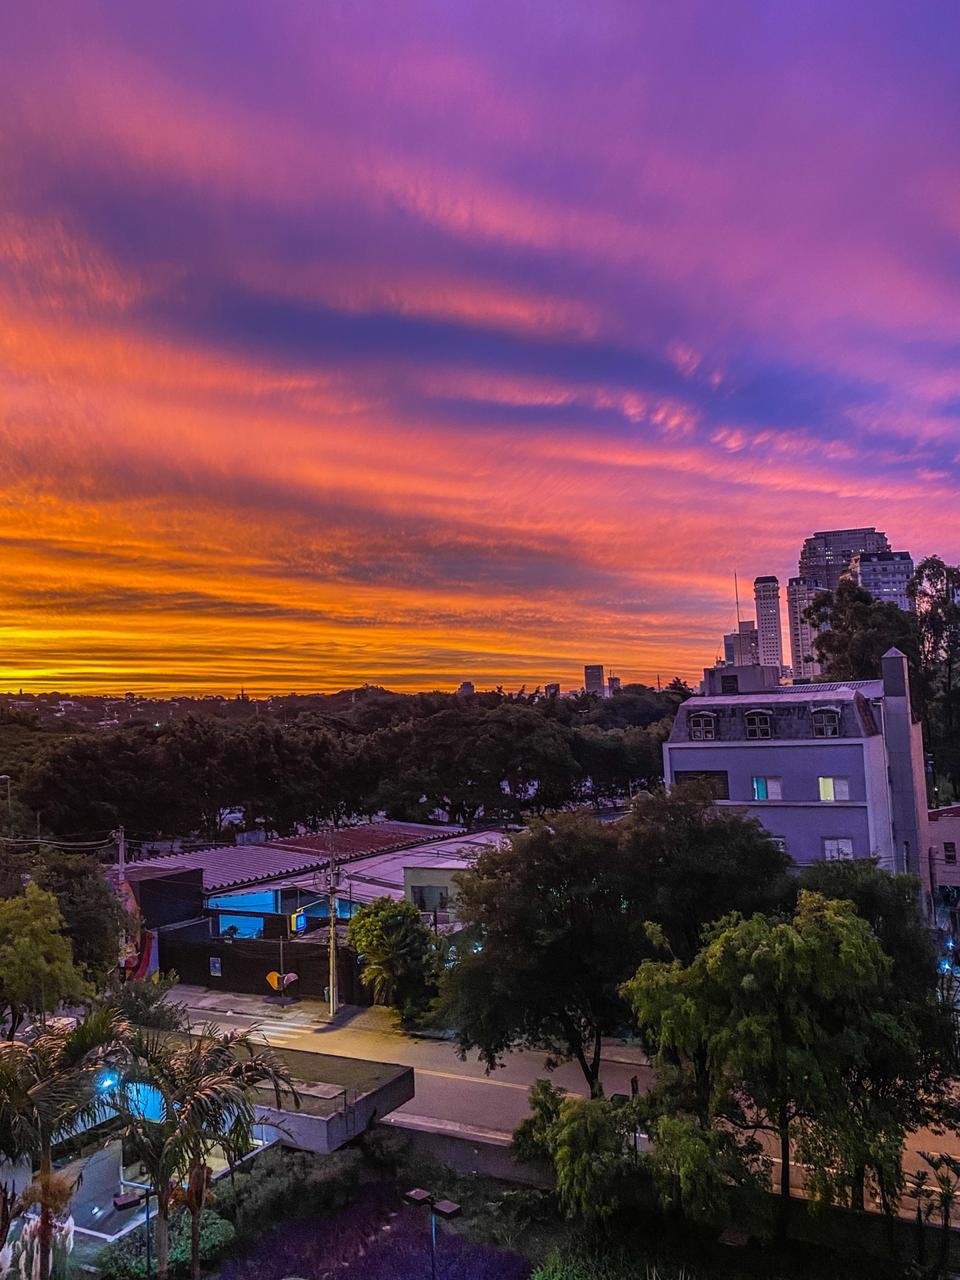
column 441, row 1208
column 333, row 884
column 132, row 1200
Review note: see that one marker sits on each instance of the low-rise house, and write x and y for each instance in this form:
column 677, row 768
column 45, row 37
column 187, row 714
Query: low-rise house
column 832, row 770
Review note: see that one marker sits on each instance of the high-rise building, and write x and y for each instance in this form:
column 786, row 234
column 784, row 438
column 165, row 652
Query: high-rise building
column 885, row 574
column 613, row 685
column 766, row 593
column 740, row 647
column 551, row 690
column 466, row 688
column 825, row 556
column 593, row 679
column 800, row 593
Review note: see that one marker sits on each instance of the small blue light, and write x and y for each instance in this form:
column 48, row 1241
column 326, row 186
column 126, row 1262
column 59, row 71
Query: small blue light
column 944, row 966
column 107, row 1081
column 950, row 944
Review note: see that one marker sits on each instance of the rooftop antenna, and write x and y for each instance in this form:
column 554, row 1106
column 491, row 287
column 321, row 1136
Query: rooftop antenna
column 736, row 594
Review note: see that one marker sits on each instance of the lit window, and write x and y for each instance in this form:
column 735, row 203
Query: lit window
column 837, row 848
column 950, row 852
column 758, row 724
column 834, row 789
column 826, row 723
column 702, row 728
column 767, row 789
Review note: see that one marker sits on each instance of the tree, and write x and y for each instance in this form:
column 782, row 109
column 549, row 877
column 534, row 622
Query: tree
column 396, row 952
column 556, row 921
column 49, row 1087
column 145, row 1003
column 901, row 1079
column 180, row 1101
column 772, row 1011
column 697, row 1171
column 590, row 1159
column 533, row 1138
column 935, row 592
column 92, row 914
column 854, row 631
column 37, row 972
column 698, row 862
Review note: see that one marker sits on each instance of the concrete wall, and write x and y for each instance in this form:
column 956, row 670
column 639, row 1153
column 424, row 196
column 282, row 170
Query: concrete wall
column 323, row 1134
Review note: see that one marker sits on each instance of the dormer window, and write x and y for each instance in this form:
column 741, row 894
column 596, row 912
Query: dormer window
column 758, row 724
column 703, row 727
column 826, row 722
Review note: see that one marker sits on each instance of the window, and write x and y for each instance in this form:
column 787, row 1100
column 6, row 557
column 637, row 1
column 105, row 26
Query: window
column 950, row 852
column 768, row 788
column 837, row 848
column 729, row 684
column 702, row 728
column 834, row 789
column 758, row 724
column 716, row 780
column 826, row 723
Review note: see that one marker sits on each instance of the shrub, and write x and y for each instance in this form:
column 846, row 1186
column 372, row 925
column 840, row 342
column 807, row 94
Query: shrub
column 126, row 1259
column 534, row 1138
column 286, row 1184
column 563, row 1265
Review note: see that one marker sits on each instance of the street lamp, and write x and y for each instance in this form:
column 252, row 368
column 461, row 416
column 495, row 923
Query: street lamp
column 443, row 1208
column 133, row 1200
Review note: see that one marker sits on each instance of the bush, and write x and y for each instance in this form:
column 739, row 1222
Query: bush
column 286, row 1184
column 562, row 1265
column 126, row 1259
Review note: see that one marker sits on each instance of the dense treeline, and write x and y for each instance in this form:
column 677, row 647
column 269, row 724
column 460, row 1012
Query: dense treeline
column 489, row 757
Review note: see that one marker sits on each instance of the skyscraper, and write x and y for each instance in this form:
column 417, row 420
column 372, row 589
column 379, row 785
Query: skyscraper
column 825, row 556
column 766, row 593
column 885, row 574
column 800, row 593
column 593, row 680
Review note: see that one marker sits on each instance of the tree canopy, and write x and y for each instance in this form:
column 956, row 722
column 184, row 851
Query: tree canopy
column 37, row 971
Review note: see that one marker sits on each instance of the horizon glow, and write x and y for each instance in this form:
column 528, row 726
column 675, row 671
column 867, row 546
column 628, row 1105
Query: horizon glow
column 408, row 343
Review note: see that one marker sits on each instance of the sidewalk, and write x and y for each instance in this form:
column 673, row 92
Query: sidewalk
column 296, row 1012
column 351, row 1017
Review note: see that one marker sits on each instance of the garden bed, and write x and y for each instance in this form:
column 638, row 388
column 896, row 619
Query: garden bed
column 377, row 1237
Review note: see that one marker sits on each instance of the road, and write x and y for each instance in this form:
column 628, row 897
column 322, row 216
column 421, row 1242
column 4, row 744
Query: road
column 460, row 1097
column 451, row 1095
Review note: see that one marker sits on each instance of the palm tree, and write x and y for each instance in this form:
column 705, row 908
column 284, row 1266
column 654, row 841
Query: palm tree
column 48, row 1089
column 947, row 1170
column 182, row 1099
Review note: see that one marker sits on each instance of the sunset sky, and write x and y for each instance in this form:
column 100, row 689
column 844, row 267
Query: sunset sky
column 413, row 342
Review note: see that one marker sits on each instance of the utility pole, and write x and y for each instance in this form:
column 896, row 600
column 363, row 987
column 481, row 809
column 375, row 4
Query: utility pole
column 121, row 853
column 333, row 878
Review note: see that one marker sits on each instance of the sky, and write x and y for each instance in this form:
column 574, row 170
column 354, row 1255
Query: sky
column 408, row 343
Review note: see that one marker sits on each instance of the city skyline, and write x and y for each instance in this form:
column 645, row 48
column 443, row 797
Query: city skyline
column 403, row 345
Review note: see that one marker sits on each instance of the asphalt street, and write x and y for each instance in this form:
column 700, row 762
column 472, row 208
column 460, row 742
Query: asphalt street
column 451, row 1095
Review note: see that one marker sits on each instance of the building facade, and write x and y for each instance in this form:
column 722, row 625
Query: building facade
column 740, row 647
column 766, row 594
column 886, row 575
column 833, row 771
column 825, row 557
column 593, row 681
column 800, row 595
